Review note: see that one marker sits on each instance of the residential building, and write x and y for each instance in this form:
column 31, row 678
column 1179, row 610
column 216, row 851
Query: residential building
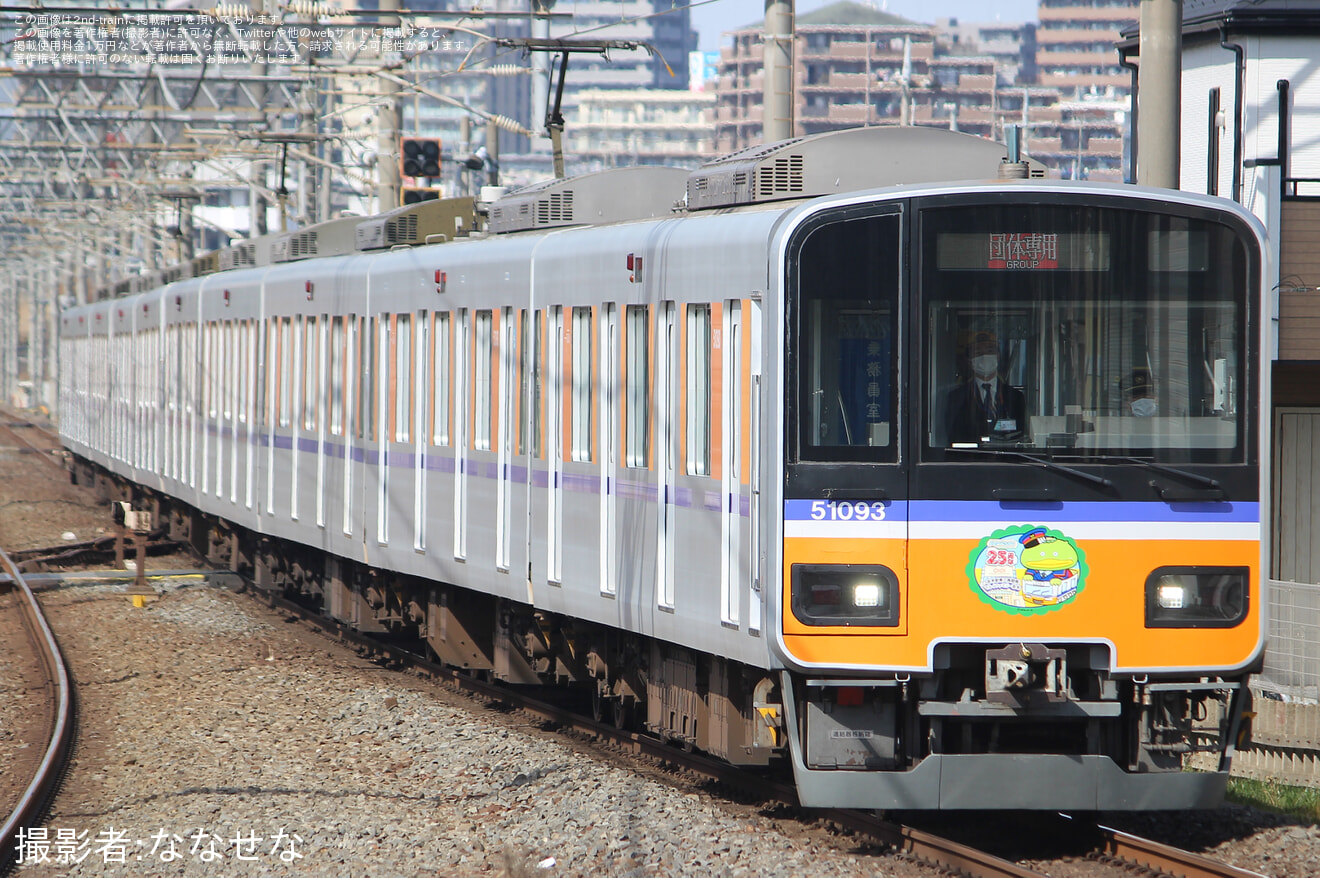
column 1012, row 45
column 627, row 127
column 856, row 65
column 1075, row 42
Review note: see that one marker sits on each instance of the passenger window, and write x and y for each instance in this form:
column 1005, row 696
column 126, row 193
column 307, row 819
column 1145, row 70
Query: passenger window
column 698, row 390
column 403, row 380
column 483, row 389
column 286, row 372
column 583, row 398
column 637, row 408
column 442, row 369
column 337, row 376
column 311, row 374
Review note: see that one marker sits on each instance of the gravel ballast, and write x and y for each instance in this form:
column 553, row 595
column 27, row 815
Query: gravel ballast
column 209, row 720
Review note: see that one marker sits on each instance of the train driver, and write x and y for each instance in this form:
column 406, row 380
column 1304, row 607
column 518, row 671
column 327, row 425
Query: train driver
column 985, row 406
column 1141, row 394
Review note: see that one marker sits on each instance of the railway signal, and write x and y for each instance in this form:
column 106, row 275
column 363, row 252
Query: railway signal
column 414, row 195
column 419, row 157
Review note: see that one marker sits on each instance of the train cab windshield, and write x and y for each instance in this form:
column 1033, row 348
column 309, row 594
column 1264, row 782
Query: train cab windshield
column 1083, row 332
column 850, row 271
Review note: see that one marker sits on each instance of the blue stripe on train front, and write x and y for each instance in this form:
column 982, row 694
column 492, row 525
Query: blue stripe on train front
column 972, row 519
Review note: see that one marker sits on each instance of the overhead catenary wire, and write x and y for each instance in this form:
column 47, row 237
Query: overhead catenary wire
column 496, row 64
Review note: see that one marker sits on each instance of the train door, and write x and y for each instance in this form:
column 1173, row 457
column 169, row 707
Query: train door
column 253, row 407
column 352, row 421
column 206, row 401
column 172, row 383
column 441, row 403
column 296, row 377
column 462, row 418
column 268, row 327
column 531, row 331
column 382, row 428
column 423, row 378
column 236, row 372
column 609, row 438
column 225, row 387
column 402, row 395
column 554, row 447
column 667, row 378
column 753, row 340
column 320, row 334
column 731, row 464
column 191, row 396
column 504, row 440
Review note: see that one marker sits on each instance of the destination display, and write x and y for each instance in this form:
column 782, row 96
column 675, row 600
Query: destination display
column 1020, row 250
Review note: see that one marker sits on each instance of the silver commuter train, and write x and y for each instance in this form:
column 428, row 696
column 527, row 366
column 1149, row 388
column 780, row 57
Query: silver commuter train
column 697, row 460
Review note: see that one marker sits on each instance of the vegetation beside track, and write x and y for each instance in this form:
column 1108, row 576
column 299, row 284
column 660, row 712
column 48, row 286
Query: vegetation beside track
column 1300, row 803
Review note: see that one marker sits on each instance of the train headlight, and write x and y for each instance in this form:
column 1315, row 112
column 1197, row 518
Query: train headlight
column 867, row 594
column 845, row 594
column 1197, row 597
column 1171, row 595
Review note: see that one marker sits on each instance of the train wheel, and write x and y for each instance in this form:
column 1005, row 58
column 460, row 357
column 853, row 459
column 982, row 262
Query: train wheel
column 622, row 713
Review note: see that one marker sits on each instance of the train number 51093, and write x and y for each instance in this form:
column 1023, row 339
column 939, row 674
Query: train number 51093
column 847, row 510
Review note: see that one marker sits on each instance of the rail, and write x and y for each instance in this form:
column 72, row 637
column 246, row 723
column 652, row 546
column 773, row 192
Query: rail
column 945, row 853
column 1164, row 859
column 52, row 455
column 38, row 792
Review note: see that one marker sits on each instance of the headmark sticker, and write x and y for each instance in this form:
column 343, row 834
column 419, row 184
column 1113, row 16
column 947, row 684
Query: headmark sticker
column 1027, row 569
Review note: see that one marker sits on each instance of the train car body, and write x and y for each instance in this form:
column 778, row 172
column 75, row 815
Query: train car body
column 862, row 481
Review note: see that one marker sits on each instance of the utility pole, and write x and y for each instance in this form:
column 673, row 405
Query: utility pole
column 8, row 336
column 541, row 65
column 1159, row 93
column 257, row 223
column 493, row 153
column 388, row 125
column 777, row 64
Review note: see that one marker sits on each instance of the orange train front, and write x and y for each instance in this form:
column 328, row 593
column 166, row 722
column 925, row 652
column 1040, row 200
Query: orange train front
column 1022, row 531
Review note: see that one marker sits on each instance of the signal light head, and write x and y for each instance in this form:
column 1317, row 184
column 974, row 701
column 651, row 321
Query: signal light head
column 419, row 157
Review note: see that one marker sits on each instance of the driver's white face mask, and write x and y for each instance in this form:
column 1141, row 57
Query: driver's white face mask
column 1144, row 408
column 985, row 365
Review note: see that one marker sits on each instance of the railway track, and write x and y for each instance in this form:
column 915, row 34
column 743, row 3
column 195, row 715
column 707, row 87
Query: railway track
column 101, row 550
column 1162, row 859
column 59, row 725
column 32, row 438
column 1112, row 851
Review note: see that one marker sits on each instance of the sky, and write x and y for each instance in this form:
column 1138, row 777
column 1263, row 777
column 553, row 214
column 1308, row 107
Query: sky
column 712, row 18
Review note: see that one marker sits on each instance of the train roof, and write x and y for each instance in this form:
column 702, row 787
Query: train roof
column 801, row 168
column 845, row 161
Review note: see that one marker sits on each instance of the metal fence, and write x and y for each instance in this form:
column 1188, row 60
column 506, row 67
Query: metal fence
column 1292, row 656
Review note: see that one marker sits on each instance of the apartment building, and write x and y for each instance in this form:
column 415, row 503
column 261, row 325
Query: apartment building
column 1012, row 45
column 628, row 127
column 1075, row 46
column 856, row 65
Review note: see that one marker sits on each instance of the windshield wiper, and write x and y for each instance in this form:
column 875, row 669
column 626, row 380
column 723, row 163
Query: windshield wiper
column 1039, row 461
column 1212, row 485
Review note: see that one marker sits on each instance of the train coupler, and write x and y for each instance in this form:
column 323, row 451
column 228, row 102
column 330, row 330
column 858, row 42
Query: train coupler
column 1025, row 672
